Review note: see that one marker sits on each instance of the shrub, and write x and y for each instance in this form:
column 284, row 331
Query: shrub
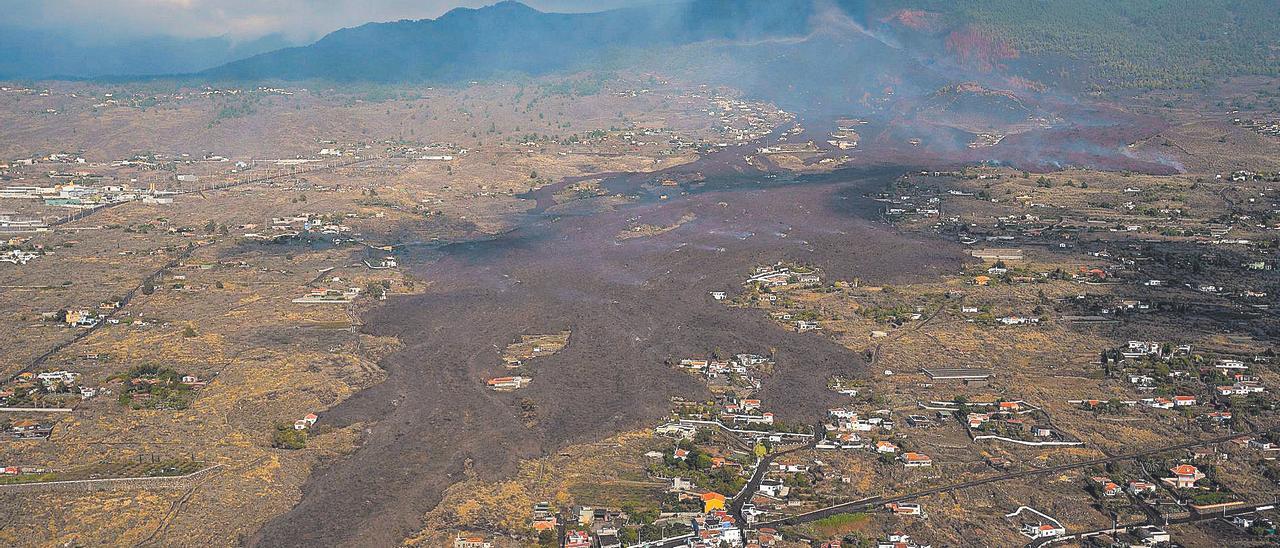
column 288, row 437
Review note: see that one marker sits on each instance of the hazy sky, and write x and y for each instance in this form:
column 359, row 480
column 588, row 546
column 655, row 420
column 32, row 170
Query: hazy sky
column 301, row 20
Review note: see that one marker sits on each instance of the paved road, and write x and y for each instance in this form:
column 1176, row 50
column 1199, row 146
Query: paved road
column 151, row 278
column 1189, row 519
column 673, row 542
column 868, row 504
column 81, row 333
column 83, row 213
column 749, row 490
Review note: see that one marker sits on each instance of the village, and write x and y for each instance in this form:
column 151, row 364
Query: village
column 183, row 304
column 190, row 308
column 1045, row 296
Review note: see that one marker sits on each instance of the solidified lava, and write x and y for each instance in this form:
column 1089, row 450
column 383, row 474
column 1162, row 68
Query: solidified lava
column 631, row 305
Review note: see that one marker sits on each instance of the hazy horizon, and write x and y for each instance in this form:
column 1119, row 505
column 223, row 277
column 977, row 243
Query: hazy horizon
column 297, row 21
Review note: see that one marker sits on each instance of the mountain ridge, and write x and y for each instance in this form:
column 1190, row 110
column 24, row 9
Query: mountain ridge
column 42, row 54
column 471, row 43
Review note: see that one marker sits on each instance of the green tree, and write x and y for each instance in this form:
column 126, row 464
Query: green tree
column 547, row 539
column 288, row 437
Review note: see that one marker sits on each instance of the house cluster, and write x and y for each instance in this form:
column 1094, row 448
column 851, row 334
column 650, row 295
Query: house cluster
column 296, row 225
column 699, row 473
column 710, row 527
column 908, row 459
column 508, row 384
column 76, row 317
column 1215, row 416
column 1003, row 411
column 78, row 196
column 154, row 387
column 716, row 528
column 1150, row 366
column 845, row 137
column 767, row 284
column 329, row 296
column 783, row 486
column 739, row 372
column 1105, row 487
column 846, row 428
column 18, row 256
column 57, row 378
column 1017, row 320
column 638, row 137
column 900, row 205
column 735, row 408
column 306, row 422
column 1182, row 480
column 584, row 527
column 437, row 151
column 45, row 389
column 1243, row 383
column 29, row 429
column 898, row 540
column 1044, row 526
column 10, row 224
column 744, row 121
column 1169, row 403
column 471, row 541
column 383, row 264
column 1183, row 476
column 781, row 274
column 745, row 411
column 82, row 318
column 1134, row 350
column 52, row 158
column 1269, row 448
column 1013, row 421
column 19, row 470
column 1033, row 429
column 1261, row 127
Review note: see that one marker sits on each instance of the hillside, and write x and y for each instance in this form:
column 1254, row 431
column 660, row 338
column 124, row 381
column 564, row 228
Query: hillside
column 40, row 54
column 1122, row 44
column 510, row 37
column 1095, row 43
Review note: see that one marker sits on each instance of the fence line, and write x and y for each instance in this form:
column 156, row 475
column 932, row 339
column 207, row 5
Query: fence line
column 110, row 484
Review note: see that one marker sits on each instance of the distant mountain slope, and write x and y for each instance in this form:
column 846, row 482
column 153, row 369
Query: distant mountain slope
column 1105, row 43
column 1114, row 43
column 511, row 37
column 35, row 54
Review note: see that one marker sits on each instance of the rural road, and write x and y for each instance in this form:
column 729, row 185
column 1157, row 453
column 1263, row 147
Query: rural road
column 867, row 504
column 1125, row 528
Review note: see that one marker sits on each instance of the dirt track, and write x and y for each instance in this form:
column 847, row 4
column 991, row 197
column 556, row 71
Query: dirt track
column 630, row 304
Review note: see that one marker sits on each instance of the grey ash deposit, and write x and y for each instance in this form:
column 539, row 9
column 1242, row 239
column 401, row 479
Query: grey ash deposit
column 631, row 305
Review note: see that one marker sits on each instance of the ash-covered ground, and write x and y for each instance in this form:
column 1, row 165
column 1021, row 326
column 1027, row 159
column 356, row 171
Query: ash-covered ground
column 631, row 305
